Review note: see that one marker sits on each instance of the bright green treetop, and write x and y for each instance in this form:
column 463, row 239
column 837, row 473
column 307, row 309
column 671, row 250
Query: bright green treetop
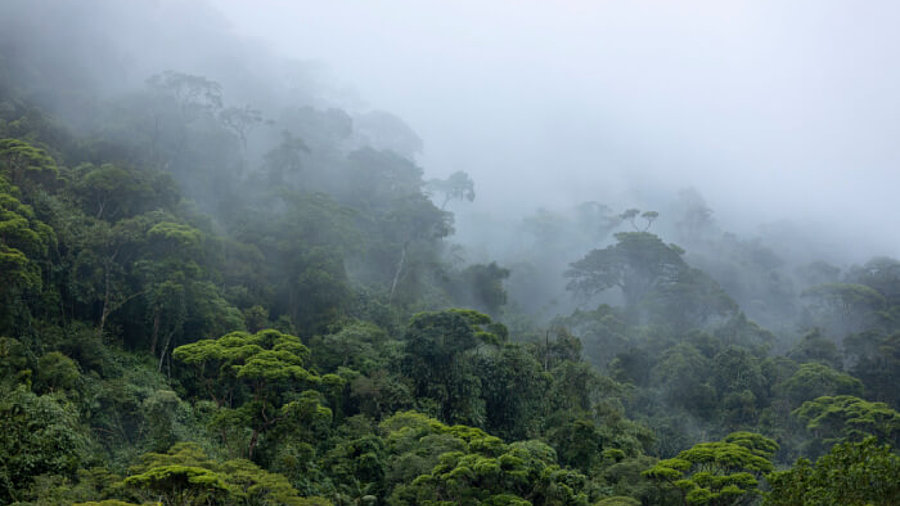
column 719, row 473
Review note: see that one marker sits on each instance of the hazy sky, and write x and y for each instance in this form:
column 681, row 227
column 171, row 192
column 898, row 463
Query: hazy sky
column 771, row 109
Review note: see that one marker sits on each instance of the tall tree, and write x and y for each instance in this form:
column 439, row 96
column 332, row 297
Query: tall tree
column 457, row 186
column 251, row 378
column 637, row 264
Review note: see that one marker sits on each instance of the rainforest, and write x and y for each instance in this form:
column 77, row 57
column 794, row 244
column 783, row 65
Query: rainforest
column 227, row 280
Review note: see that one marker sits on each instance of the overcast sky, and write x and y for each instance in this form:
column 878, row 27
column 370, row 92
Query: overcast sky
column 771, row 109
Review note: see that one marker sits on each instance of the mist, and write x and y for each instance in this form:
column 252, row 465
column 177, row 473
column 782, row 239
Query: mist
column 771, row 111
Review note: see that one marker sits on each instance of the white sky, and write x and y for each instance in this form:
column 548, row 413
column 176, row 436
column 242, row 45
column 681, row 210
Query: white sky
column 771, row 109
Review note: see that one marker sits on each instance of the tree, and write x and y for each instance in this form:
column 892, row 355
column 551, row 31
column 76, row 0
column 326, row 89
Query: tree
column 303, row 247
column 813, row 380
column 840, row 418
column 876, row 361
column 654, row 280
column 414, row 221
column 737, row 377
column 439, row 361
column 513, row 386
column 847, row 307
column 480, row 287
column 402, row 228
column 465, row 465
column 853, row 473
column 650, row 216
column 881, row 274
column 184, row 475
column 26, row 164
column 457, row 186
column 602, row 331
column 684, row 375
column 357, row 463
column 168, row 277
column 285, row 159
column 57, row 373
column 108, row 264
column 637, row 264
column 110, row 192
column 268, row 364
column 632, row 214
column 241, row 120
column 721, row 473
column 38, row 434
column 689, row 300
column 193, row 94
column 176, row 126
column 815, row 347
column 24, row 243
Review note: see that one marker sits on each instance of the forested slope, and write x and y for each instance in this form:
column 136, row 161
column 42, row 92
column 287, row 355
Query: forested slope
column 208, row 301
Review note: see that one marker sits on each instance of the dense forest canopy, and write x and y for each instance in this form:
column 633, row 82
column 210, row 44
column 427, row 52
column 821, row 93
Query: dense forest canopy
column 224, row 281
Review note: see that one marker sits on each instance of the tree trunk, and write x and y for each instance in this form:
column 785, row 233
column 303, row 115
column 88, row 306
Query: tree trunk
column 104, row 313
column 254, row 440
column 154, row 336
column 399, row 271
column 165, row 349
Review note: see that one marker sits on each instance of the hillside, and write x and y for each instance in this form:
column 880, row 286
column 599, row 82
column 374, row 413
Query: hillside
column 218, row 287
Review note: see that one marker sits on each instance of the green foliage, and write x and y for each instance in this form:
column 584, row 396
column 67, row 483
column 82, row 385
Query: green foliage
column 637, row 264
column 302, row 250
column 815, row 347
column 847, row 418
column 185, row 475
column 24, row 163
column 107, row 502
column 689, row 300
column 618, row 501
column 513, row 386
column 132, row 409
column 439, row 346
column 353, row 345
column 852, row 473
column 684, row 374
column 13, row 363
column 56, row 372
column 723, row 472
column 480, row 470
column 653, row 279
column 110, row 192
column 328, row 234
column 38, row 434
column 623, row 477
column 251, row 378
column 846, row 307
column 603, row 332
column 876, row 361
column 813, row 379
column 24, row 244
column 481, row 287
column 737, row 377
